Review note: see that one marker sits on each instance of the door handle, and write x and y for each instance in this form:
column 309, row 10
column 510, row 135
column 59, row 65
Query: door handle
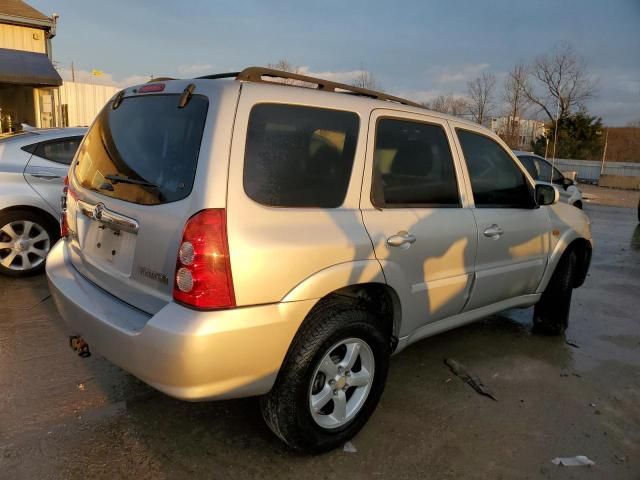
column 401, row 239
column 45, row 175
column 493, row 231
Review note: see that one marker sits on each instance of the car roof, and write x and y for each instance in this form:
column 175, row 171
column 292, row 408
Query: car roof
column 252, row 75
column 59, row 132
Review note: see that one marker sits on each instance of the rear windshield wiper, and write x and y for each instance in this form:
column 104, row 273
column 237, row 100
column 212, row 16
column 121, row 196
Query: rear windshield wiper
column 114, row 179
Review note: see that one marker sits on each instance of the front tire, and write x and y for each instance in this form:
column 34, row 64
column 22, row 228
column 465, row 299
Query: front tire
column 551, row 313
column 331, row 380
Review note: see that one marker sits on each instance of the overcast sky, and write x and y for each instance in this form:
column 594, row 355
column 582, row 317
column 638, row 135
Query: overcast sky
column 416, row 49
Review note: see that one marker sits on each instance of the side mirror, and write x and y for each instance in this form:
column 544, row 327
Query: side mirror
column 546, row 194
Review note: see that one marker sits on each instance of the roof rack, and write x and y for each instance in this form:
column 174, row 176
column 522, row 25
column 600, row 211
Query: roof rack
column 220, row 75
column 257, row 74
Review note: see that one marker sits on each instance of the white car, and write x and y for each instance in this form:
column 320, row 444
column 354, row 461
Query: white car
column 33, row 165
column 543, row 172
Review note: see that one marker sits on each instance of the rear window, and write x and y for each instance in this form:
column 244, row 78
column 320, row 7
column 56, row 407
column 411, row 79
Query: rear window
column 299, row 156
column 145, row 151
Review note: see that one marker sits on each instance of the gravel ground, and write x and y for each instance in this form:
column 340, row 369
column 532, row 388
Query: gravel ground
column 610, row 196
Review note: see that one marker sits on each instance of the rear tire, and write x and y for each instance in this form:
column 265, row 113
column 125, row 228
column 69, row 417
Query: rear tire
column 551, row 313
column 322, row 345
column 26, row 237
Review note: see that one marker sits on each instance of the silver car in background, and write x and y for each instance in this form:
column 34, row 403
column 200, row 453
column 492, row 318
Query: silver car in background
column 33, row 165
column 542, row 171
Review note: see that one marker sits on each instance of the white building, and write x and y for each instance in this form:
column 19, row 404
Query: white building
column 525, row 130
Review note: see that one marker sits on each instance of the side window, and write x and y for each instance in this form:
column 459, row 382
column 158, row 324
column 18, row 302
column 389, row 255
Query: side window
column 59, row 151
column 530, row 166
column 413, row 166
column 299, row 156
column 544, row 170
column 558, row 178
column 496, row 180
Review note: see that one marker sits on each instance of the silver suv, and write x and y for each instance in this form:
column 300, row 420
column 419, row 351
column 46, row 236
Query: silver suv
column 232, row 236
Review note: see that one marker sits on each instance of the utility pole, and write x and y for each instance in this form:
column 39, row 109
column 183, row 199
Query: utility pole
column 604, row 152
column 555, row 140
column 73, row 72
column 546, row 147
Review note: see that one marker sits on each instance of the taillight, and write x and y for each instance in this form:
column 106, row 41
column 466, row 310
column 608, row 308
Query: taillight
column 203, row 269
column 64, row 224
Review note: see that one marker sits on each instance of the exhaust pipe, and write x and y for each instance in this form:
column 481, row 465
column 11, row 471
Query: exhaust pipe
column 78, row 345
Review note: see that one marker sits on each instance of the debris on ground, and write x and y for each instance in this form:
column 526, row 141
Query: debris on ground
column 592, row 405
column 350, row 448
column 619, row 458
column 577, row 461
column 460, row 371
column 572, row 343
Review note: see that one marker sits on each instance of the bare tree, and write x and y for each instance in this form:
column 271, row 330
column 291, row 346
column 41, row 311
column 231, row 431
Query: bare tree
column 480, row 102
column 448, row 104
column 365, row 79
column 560, row 81
column 285, row 65
column 516, row 102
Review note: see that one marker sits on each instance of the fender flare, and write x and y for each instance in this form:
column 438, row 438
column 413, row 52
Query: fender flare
column 561, row 246
column 335, row 277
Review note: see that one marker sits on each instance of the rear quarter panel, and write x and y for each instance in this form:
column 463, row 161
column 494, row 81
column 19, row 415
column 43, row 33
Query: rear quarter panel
column 273, row 250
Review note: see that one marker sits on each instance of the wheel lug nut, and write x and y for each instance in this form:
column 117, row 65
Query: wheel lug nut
column 335, row 392
column 332, row 382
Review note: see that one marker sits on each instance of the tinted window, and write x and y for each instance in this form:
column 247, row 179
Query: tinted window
column 496, row 180
column 413, row 166
column 529, row 164
column 545, row 171
column 148, row 140
column 299, row 156
column 59, row 151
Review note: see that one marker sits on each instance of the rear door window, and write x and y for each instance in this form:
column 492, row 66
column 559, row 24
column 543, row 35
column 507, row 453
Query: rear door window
column 60, row 151
column 496, row 180
column 413, row 166
column 144, row 151
column 299, row 156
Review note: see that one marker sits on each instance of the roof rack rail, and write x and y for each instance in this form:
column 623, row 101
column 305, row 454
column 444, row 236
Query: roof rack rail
column 256, row 74
column 219, row 75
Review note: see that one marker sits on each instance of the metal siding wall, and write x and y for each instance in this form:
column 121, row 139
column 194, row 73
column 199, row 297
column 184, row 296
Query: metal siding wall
column 84, row 101
column 589, row 170
column 15, row 37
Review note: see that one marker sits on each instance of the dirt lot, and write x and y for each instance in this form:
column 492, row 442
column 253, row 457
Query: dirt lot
column 609, row 196
column 66, row 417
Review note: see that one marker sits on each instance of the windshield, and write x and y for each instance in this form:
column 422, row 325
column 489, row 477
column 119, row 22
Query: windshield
column 145, row 151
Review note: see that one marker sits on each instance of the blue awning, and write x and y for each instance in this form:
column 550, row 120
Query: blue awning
column 27, row 68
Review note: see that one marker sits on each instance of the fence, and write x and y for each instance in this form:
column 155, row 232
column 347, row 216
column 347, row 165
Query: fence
column 589, row 170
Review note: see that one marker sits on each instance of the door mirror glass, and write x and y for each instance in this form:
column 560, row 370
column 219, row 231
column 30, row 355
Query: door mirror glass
column 546, row 194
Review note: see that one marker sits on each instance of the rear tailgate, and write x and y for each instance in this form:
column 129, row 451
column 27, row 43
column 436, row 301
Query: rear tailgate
column 133, row 185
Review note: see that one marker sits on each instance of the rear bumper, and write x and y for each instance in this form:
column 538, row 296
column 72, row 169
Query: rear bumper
column 184, row 353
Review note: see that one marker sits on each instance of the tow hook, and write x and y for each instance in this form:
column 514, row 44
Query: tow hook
column 78, row 345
